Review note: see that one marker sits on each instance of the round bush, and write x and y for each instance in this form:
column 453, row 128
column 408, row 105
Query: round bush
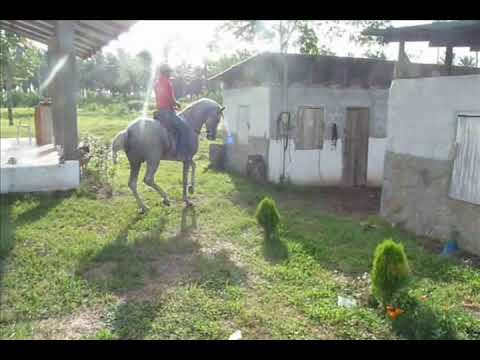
column 390, row 271
column 135, row 105
column 268, row 216
column 424, row 321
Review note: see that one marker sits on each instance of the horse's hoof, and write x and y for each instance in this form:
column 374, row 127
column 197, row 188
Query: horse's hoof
column 166, row 202
column 143, row 211
column 191, row 189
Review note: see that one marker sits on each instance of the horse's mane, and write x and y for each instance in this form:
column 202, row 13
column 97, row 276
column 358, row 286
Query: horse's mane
column 197, row 102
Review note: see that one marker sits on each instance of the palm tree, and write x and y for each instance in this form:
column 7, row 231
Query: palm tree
column 468, row 61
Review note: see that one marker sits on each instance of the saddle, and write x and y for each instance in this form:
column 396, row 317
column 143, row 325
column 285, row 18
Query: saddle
column 164, row 120
column 171, row 130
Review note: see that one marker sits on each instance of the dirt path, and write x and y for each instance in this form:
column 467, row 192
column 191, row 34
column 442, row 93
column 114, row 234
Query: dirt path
column 355, row 202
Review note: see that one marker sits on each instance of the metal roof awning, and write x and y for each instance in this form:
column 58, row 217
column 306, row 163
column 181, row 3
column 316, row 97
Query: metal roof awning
column 462, row 33
column 90, row 35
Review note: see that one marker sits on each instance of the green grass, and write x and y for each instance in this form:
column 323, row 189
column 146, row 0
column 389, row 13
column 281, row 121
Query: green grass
column 98, row 124
column 75, row 267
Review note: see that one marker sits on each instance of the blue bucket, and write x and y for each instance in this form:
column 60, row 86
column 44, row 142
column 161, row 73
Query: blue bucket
column 450, row 247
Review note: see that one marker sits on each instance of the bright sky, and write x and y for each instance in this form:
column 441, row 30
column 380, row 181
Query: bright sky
column 189, row 39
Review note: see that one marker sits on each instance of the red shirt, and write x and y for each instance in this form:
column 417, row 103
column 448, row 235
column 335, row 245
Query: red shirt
column 164, row 94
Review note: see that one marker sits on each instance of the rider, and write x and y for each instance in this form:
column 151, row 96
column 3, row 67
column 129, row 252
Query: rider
column 166, row 105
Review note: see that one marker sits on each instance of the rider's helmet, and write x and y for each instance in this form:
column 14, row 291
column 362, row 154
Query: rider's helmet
column 165, row 69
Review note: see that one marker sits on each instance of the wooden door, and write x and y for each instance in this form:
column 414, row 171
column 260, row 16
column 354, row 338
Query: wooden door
column 465, row 181
column 355, row 147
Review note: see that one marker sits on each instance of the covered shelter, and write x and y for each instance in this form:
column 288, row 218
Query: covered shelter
column 431, row 182
column 66, row 40
column 448, row 34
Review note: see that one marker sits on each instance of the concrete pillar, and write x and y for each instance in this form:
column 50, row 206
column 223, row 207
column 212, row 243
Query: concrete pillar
column 401, row 50
column 65, row 87
column 449, row 59
column 400, row 65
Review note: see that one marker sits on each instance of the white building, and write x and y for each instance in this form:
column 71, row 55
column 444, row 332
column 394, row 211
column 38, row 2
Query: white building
column 338, row 115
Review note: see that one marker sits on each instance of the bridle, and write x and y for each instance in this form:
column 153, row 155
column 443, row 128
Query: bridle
column 198, row 131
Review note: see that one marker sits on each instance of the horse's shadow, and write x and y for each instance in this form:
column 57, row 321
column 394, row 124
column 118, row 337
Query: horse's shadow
column 139, row 270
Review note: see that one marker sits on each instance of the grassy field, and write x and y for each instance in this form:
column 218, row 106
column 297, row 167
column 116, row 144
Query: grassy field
column 81, row 268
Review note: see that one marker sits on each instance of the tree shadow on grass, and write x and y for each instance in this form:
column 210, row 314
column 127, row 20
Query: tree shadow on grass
column 9, row 225
column 141, row 269
column 274, row 249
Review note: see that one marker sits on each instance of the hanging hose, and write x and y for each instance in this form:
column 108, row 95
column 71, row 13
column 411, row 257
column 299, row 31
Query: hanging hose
column 285, row 138
column 285, row 147
column 334, row 135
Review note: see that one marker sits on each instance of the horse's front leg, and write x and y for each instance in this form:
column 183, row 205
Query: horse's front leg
column 186, row 165
column 191, row 187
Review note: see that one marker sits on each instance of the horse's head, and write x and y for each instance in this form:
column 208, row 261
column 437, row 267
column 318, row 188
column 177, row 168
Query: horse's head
column 212, row 122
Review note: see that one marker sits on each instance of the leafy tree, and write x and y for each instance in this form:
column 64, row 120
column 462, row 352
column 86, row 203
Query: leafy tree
column 308, row 33
column 144, row 63
column 19, row 64
column 226, row 61
column 372, row 54
column 468, row 61
column 249, row 30
column 110, row 78
column 308, row 39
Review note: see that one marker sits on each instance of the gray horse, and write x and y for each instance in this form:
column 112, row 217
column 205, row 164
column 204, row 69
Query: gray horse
column 147, row 140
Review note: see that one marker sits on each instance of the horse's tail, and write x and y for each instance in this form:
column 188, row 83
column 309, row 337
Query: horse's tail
column 119, row 143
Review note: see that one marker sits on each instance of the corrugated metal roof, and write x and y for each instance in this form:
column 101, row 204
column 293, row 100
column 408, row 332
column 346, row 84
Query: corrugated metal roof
column 325, row 69
column 90, row 35
column 443, row 33
column 269, row 56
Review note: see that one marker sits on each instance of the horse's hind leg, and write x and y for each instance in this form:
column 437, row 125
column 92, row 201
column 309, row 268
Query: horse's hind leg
column 132, row 184
column 149, row 179
column 186, row 165
column 191, row 187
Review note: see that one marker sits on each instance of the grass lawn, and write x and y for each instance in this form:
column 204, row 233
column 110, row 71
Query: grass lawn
column 76, row 267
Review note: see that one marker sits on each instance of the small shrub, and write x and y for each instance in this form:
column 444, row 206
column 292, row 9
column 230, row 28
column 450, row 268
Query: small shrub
column 422, row 320
column 135, row 105
column 25, row 99
column 268, row 216
column 104, row 334
column 100, row 173
column 390, row 271
column 92, row 107
column 117, row 109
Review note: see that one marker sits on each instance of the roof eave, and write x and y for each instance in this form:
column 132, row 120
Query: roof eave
column 89, row 38
column 219, row 75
